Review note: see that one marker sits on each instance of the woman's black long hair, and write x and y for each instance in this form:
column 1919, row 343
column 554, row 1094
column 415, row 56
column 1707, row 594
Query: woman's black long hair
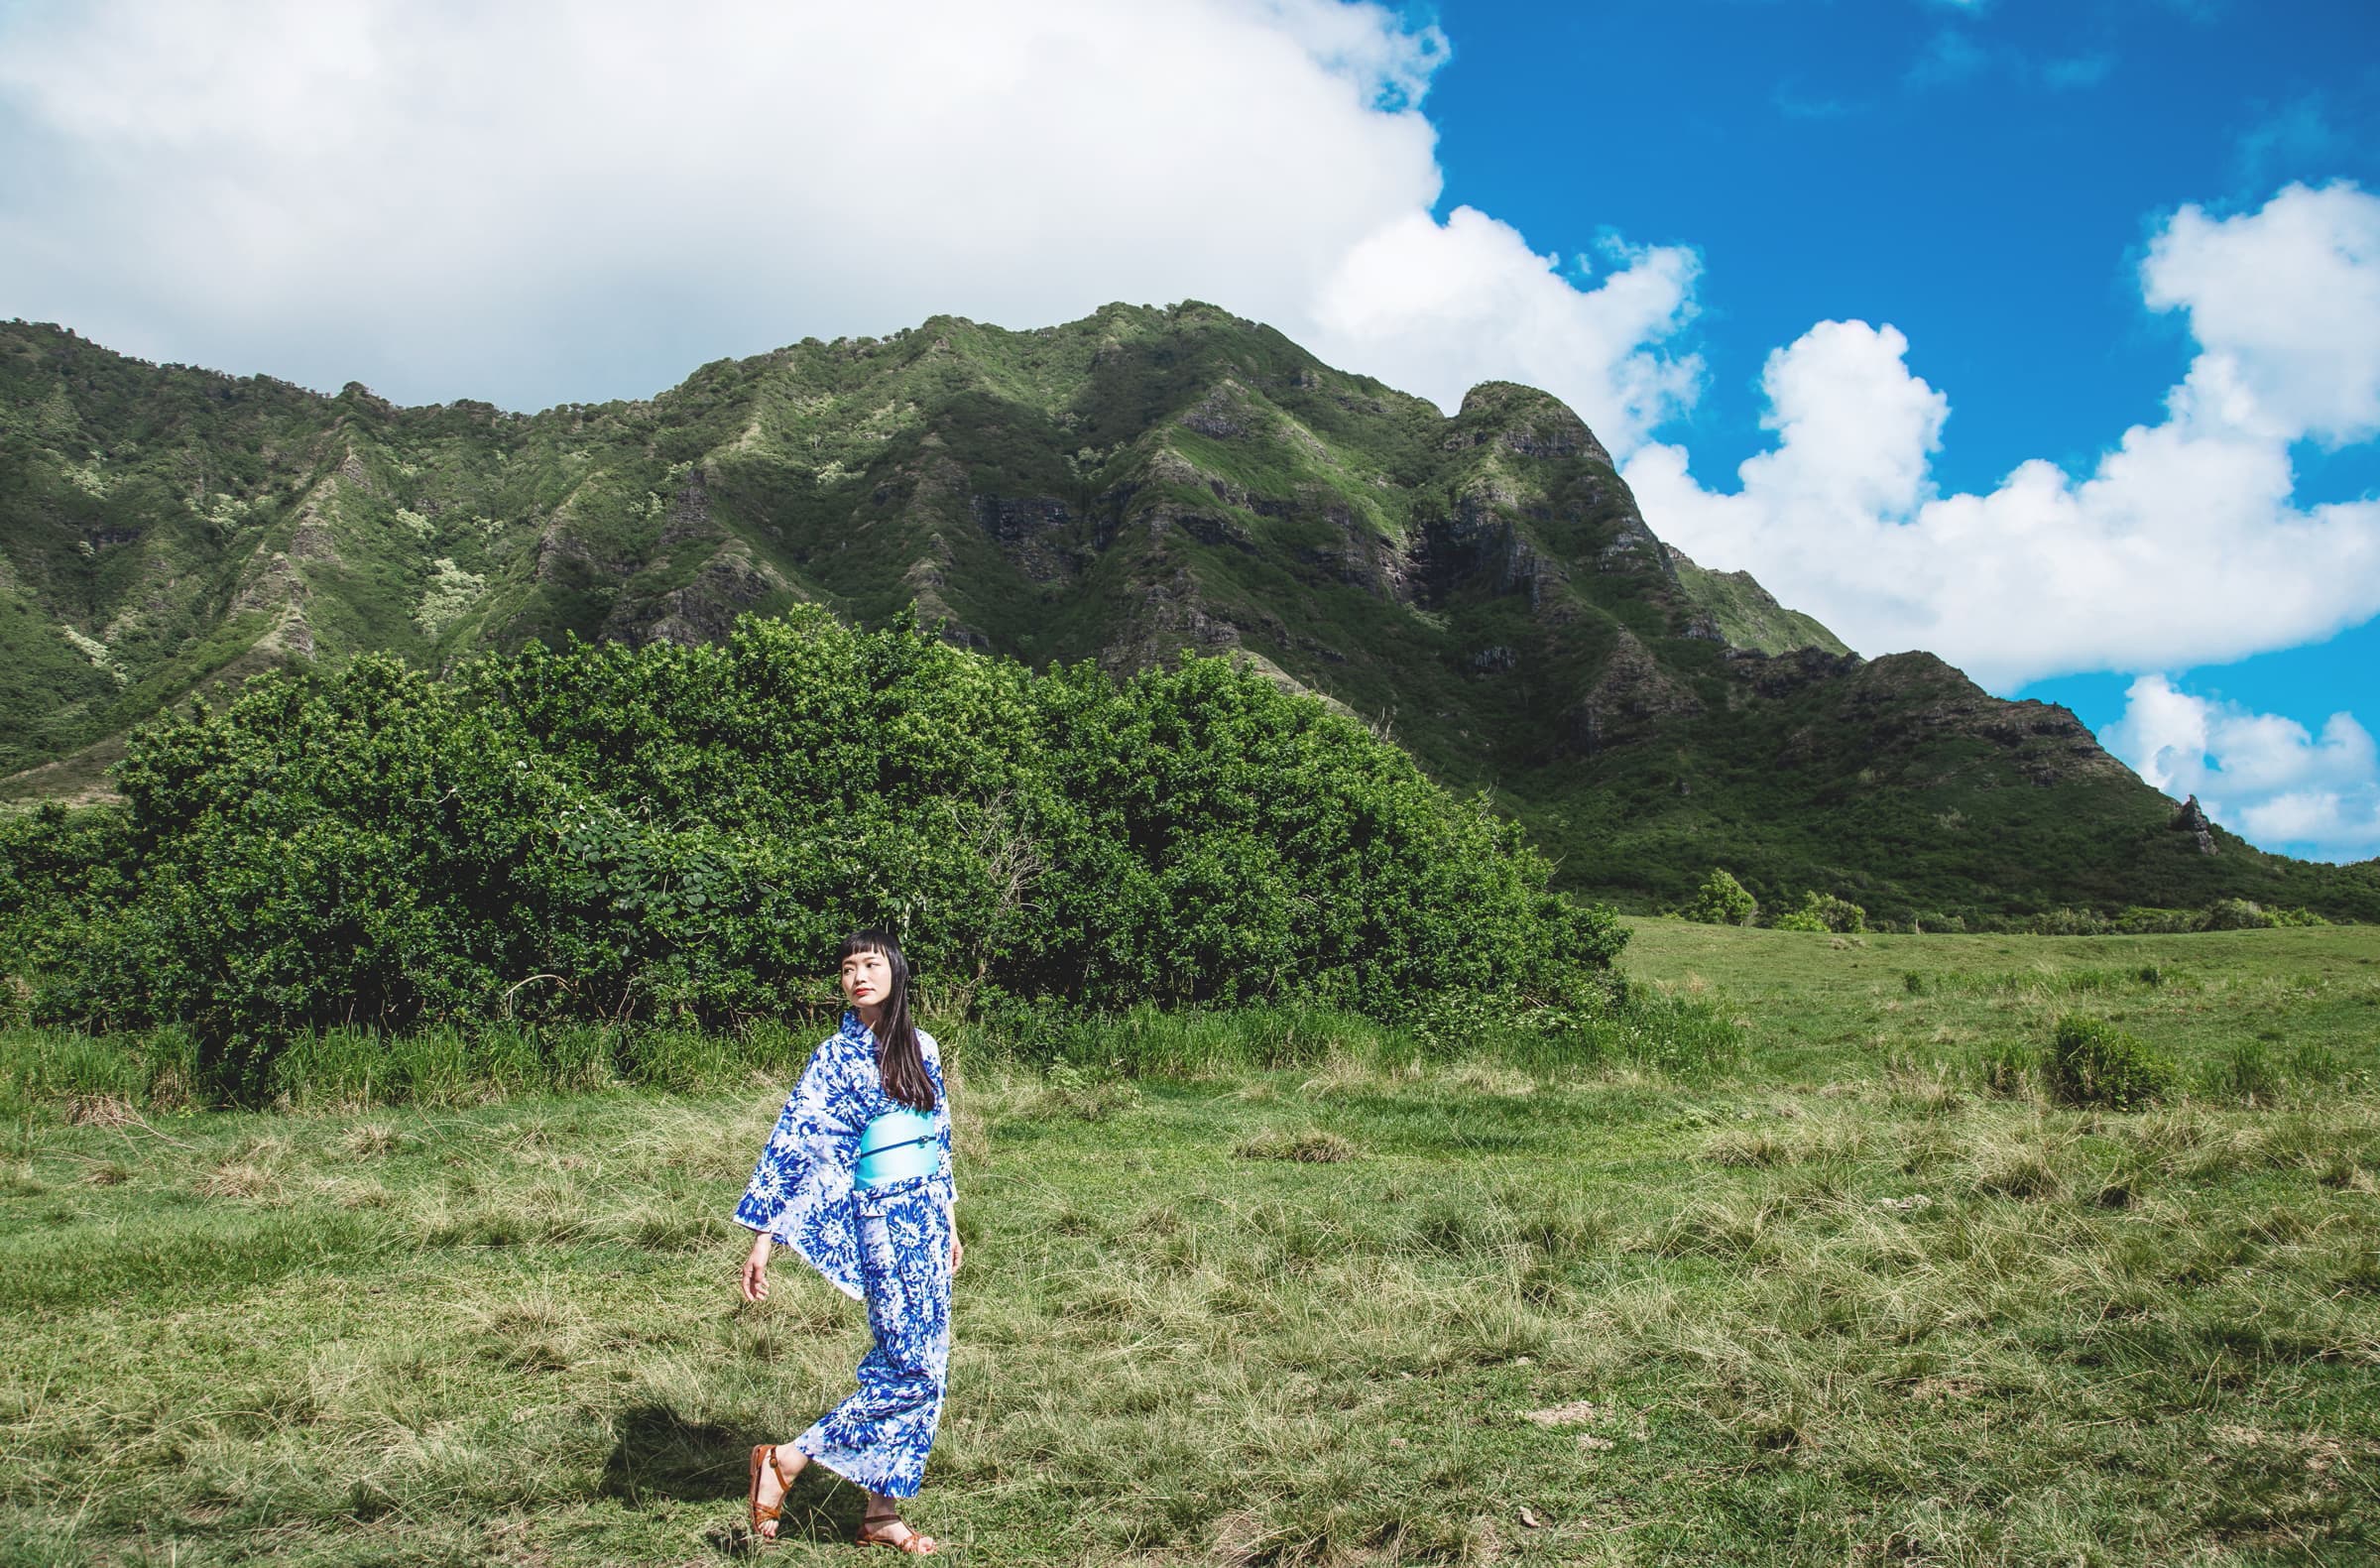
column 898, row 1061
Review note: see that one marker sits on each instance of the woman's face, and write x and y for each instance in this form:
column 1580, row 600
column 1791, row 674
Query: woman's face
column 867, row 980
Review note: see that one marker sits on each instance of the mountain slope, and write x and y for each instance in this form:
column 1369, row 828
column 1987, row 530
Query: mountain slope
column 1480, row 586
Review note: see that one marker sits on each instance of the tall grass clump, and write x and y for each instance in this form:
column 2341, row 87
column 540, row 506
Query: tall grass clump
column 1178, row 1042
column 2249, row 1073
column 154, row 1068
column 2091, row 1062
column 53, row 1072
column 441, row 1064
column 345, row 1068
column 1643, row 1027
column 2006, row 1068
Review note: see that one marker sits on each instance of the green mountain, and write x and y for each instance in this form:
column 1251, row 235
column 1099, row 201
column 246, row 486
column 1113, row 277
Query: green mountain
column 1481, row 587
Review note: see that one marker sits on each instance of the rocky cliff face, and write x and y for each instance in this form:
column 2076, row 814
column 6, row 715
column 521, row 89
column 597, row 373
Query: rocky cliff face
column 1118, row 489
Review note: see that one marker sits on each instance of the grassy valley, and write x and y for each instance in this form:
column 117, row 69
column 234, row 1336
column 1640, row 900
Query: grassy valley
column 1821, row 1289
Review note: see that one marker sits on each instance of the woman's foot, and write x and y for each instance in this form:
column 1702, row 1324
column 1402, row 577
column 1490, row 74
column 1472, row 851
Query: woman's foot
column 772, row 1480
column 887, row 1528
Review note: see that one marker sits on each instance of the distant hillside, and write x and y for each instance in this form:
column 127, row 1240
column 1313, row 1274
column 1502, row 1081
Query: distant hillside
column 1481, row 587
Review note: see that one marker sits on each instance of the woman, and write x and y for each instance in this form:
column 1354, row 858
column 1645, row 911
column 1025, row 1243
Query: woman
column 857, row 1179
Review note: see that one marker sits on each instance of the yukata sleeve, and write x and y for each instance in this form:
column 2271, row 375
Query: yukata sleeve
column 944, row 1168
column 800, row 1189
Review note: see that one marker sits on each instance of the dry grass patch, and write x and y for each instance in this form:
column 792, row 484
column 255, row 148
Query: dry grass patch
column 371, row 1140
column 100, row 1110
column 1310, row 1145
column 1489, row 1078
column 536, row 1331
column 1334, row 1075
column 241, row 1180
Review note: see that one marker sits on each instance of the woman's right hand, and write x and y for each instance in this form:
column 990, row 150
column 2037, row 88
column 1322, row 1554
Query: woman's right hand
column 756, row 1271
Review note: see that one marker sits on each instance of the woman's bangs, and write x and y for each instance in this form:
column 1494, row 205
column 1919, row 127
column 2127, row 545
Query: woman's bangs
column 858, row 942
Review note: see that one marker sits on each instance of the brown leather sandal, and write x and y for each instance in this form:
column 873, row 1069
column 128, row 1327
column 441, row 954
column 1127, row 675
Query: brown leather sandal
column 874, row 1533
column 766, row 1454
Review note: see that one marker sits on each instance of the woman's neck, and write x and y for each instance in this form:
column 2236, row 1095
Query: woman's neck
column 871, row 1018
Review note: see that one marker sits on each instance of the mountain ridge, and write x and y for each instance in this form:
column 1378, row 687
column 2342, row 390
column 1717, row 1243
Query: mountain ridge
column 1481, row 584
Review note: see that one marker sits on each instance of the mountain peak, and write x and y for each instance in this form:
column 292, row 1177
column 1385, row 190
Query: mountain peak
column 1527, row 421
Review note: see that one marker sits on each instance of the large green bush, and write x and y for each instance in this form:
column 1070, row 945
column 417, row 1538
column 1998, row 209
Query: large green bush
column 683, row 833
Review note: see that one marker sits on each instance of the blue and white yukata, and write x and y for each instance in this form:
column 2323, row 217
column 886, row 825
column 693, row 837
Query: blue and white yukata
column 887, row 1245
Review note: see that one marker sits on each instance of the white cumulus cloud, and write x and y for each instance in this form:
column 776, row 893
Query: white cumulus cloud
column 2184, row 546
column 1436, row 308
column 2261, row 775
column 2285, row 304
column 542, row 203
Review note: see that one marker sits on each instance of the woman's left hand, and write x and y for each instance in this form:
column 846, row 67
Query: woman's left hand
column 957, row 1251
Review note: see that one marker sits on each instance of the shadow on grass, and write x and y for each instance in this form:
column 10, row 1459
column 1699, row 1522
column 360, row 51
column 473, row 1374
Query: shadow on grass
column 663, row 1455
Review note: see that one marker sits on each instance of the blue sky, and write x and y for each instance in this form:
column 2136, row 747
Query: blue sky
column 2045, row 336
column 1827, row 163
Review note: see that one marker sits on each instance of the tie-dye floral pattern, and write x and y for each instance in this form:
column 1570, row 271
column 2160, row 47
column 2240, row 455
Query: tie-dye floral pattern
column 879, row 1436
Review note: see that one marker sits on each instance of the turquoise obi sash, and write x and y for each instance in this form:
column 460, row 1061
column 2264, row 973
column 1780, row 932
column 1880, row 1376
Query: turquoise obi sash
column 896, row 1147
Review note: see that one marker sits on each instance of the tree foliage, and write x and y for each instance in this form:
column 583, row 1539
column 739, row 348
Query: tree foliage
column 1824, row 912
column 1723, row 901
column 684, row 833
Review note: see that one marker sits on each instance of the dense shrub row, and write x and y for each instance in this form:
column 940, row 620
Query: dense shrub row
column 1724, row 900
column 2220, row 915
column 684, row 833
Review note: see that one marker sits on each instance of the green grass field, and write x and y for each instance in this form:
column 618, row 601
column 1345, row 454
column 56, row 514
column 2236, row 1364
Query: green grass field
column 1818, row 1006
column 1838, row 1303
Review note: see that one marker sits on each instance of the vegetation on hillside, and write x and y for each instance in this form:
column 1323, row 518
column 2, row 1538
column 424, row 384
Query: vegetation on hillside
column 1746, row 614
